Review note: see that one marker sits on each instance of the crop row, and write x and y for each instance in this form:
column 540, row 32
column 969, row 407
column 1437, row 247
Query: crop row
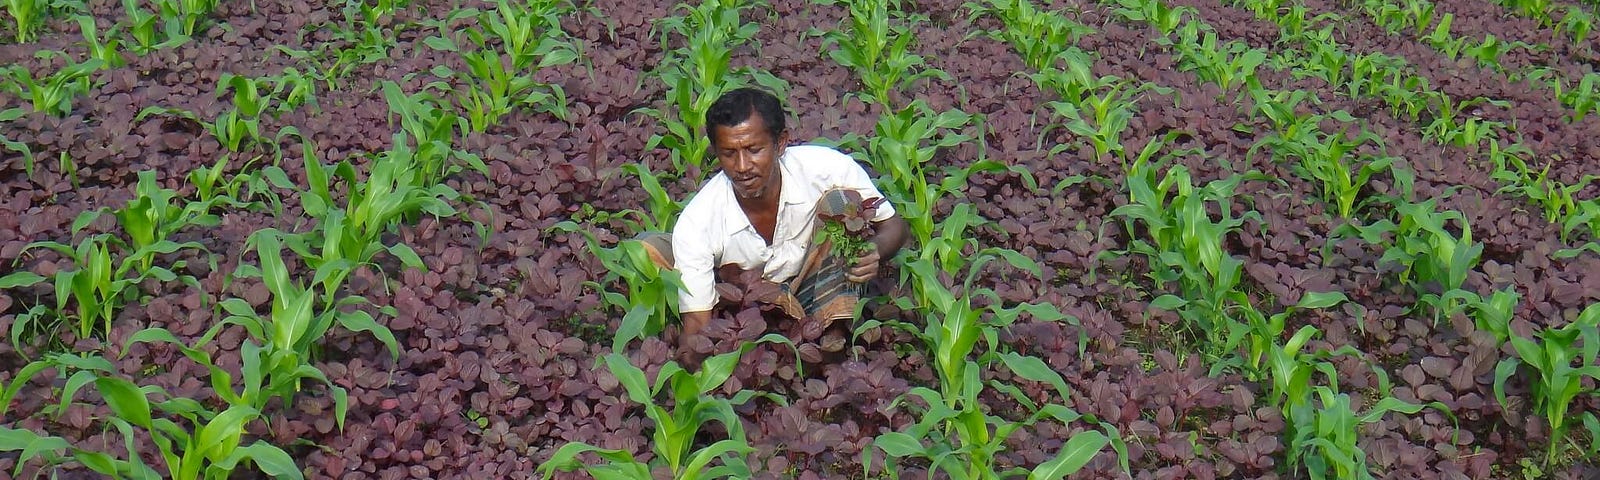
column 954, row 434
column 1436, row 260
column 355, row 207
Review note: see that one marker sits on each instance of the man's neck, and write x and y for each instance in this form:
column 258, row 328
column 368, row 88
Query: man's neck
column 765, row 204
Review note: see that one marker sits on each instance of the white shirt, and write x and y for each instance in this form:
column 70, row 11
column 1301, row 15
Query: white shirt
column 713, row 230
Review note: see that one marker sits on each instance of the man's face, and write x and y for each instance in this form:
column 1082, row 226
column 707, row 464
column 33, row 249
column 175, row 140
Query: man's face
column 749, row 155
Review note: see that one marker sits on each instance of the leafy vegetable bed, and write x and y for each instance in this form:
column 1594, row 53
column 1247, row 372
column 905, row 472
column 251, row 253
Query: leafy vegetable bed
column 1187, row 250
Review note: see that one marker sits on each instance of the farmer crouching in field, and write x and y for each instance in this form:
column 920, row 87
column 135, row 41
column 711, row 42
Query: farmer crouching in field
column 761, row 210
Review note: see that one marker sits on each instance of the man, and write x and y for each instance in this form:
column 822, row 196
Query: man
column 759, row 212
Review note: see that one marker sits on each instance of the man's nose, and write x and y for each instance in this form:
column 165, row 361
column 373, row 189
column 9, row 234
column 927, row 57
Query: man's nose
column 744, row 162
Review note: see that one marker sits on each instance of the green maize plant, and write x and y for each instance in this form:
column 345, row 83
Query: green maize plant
column 215, row 186
column 1558, row 201
column 290, row 90
column 1289, row 370
column 902, row 151
column 1576, row 23
column 235, row 129
column 1184, row 244
column 28, row 16
column 1487, row 53
column 875, row 42
column 261, row 379
column 651, row 295
column 1402, row 95
column 1280, row 365
column 209, row 447
column 1038, row 36
column 1378, row 74
column 1419, row 13
column 52, row 94
column 1326, row 434
column 1467, row 132
column 152, row 30
column 1551, row 354
column 433, row 131
column 105, row 51
column 1434, row 260
column 152, row 217
column 1333, row 162
column 360, row 39
column 1398, row 18
column 905, row 143
column 1293, row 18
column 1098, row 109
column 973, row 439
column 696, row 74
column 189, row 15
column 350, row 235
column 240, row 127
column 290, row 335
column 1493, row 314
column 1165, row 18
column 1535, row 9
column 1229, row 66
column 530, row 39
column 1440, row 38
column 1583, row 99
column 1280, row 108
column 954, row 433
column 97, row 286
column 1322, row 60
column 1322, row 427
column 663, row 209
column 673, row 441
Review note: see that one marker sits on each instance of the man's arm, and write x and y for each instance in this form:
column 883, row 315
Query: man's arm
column 693, row 322
column 693, row 256
column 891, row 235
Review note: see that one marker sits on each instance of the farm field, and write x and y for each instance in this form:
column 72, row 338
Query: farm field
column 1149, row 239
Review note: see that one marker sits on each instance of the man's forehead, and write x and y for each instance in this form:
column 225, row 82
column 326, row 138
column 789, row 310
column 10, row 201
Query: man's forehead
column 752, row 131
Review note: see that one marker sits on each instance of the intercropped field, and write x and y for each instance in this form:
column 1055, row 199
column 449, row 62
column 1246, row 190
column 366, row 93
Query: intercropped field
column 1149, row 239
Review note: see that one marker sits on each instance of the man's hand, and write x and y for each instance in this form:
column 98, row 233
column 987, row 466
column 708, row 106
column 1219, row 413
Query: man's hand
column 891, row 235
column 865, row 267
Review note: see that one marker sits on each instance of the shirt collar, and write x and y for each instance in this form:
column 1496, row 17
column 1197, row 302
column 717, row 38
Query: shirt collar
column 790, row 194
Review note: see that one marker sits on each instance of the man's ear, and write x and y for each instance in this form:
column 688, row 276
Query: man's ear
column 783, row 141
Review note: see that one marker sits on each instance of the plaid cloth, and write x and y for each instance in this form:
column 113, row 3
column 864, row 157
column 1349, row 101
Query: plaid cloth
column 820, row 288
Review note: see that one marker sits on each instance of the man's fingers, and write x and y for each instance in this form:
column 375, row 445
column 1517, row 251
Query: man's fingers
column 862, row 273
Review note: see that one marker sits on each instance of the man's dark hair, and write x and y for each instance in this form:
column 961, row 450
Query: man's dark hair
column 734, row 108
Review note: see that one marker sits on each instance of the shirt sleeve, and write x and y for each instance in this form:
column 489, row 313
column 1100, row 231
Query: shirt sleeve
column 694, row 257
column 850, row 174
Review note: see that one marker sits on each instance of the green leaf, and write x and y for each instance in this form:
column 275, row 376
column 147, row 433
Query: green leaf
column 1032, row 368
column 630, row 377
column 407, row 256
column 271, row 460
column 359, row 321
column 1321, row 299
column 20, row 279
column 897, row 444
column 1168, row 302
column 220, row 436
column 1078, row 451
column 125, row 400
